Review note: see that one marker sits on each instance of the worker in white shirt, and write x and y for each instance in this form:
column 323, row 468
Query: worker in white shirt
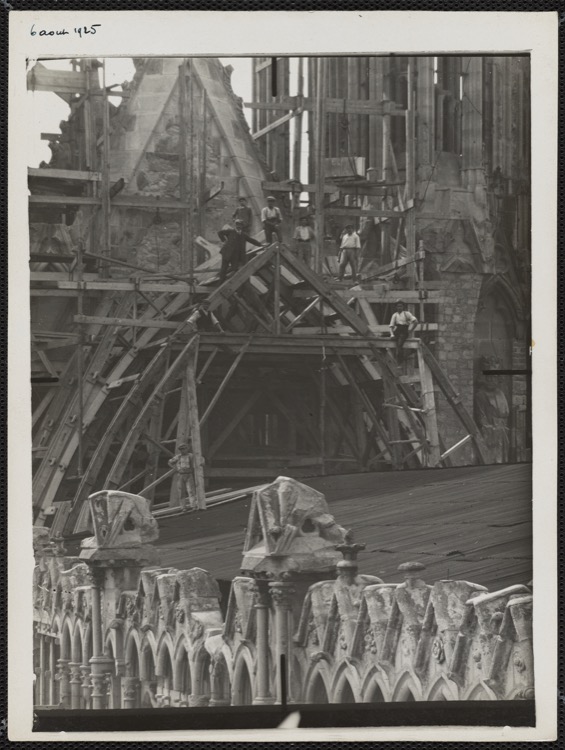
column 271, row 219
column 349, row 250
column 303, row 236
column 401, row 325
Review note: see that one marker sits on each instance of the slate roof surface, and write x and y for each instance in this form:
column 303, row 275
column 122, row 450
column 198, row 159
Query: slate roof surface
column 467, row 523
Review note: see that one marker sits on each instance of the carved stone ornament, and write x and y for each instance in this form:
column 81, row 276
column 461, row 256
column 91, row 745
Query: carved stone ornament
column 317, row 656
column 438, row 651
column 67, row 601
column 180, row 614
column 131, row 685
column 342, row 640
column 120, row 520
column 196, row 629
column 132, row 612
column 282, row 594
column 369, row 638
column 312, row 638
column 519, row 663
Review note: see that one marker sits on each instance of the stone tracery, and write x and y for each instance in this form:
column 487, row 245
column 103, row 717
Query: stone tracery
column 346, row 638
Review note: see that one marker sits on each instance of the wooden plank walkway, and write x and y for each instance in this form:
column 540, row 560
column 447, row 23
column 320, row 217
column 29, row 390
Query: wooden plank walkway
column 471, row 523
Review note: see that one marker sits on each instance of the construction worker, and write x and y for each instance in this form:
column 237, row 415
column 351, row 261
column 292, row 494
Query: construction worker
column 183, row 464
column 271, row 218
column 244, row 214
column 233, row 249
column 401, row 326
column 303, row 237
column 349, row 248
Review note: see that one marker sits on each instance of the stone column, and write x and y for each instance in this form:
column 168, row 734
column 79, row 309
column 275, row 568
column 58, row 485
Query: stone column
column 131, row 691
column 282, row 593
column 99, row 691
column 52, row 669
column 263, row 692
column 63, row 674
column 472, row 124
column 85, row 685
column 76, row 684
column 41, row 684
column 425, row 103
column 217, row 670
column 98, row 662
column 198, row 701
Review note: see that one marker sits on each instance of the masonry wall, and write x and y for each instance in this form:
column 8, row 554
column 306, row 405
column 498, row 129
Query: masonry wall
column 455, row 351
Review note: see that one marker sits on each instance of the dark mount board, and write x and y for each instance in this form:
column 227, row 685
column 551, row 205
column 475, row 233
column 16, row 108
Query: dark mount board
column 517, row 713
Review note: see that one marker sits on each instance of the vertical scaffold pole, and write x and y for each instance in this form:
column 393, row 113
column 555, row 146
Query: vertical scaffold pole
column 320, row 161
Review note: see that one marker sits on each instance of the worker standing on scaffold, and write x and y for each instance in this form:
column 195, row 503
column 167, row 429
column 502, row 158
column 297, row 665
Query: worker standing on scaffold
column 184, row 465
column 349, row 248
column 244, row 214
column 401, row 326
column 303, row 238
column 271, row 218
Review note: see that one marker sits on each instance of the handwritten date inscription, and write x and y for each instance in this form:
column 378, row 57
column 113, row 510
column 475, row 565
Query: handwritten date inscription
column 80, row 30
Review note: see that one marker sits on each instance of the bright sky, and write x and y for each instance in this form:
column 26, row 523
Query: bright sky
column 46, row 110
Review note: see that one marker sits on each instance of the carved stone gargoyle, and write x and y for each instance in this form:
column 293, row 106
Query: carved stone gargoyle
column 290, row 530
column 121, row 522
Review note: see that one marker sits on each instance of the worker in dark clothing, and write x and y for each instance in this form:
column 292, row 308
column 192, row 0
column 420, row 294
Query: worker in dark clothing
column 244, row 214
column 233, row 249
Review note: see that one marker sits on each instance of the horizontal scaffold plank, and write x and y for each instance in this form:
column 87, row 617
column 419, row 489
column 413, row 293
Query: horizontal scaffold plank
column 302, row 345
column 310, row 331
column 127, row 286
column 343, row 106
column 374, row 295
column 64, row 174
column 51, row 276
column 120, row 201
column 41, row 78
column 358, row 211
column 127, row 322
column 367, row 188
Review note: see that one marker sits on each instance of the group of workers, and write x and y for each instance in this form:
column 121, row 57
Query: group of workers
column 235, row 238
column 233, row 251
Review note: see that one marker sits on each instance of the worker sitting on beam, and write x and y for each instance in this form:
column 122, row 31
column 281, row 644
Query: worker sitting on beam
column 401, row 326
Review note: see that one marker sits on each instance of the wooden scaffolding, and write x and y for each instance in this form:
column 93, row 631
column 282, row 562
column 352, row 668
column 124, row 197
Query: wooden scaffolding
column 277, row 370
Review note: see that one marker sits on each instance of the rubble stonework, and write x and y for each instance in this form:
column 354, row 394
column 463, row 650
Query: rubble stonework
column 111, row 631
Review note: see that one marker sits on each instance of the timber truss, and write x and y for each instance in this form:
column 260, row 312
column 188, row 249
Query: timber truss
column 274, row 371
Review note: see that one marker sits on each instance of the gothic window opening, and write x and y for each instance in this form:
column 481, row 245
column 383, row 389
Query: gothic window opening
column 318, row 692
column 243, row 692
column 166, row 677
column 184, row 685
column 375, row 694
column 345, row 693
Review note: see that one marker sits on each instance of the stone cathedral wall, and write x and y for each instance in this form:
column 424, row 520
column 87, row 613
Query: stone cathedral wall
column 165, row 638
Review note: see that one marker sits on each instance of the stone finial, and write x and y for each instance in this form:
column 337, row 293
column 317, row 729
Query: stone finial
column 291, row 530
column 347, row 568
column 348, row 548
column 121, row 522
column 57, row 545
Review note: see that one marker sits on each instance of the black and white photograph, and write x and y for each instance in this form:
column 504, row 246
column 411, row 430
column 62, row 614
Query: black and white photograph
column 280, row 378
